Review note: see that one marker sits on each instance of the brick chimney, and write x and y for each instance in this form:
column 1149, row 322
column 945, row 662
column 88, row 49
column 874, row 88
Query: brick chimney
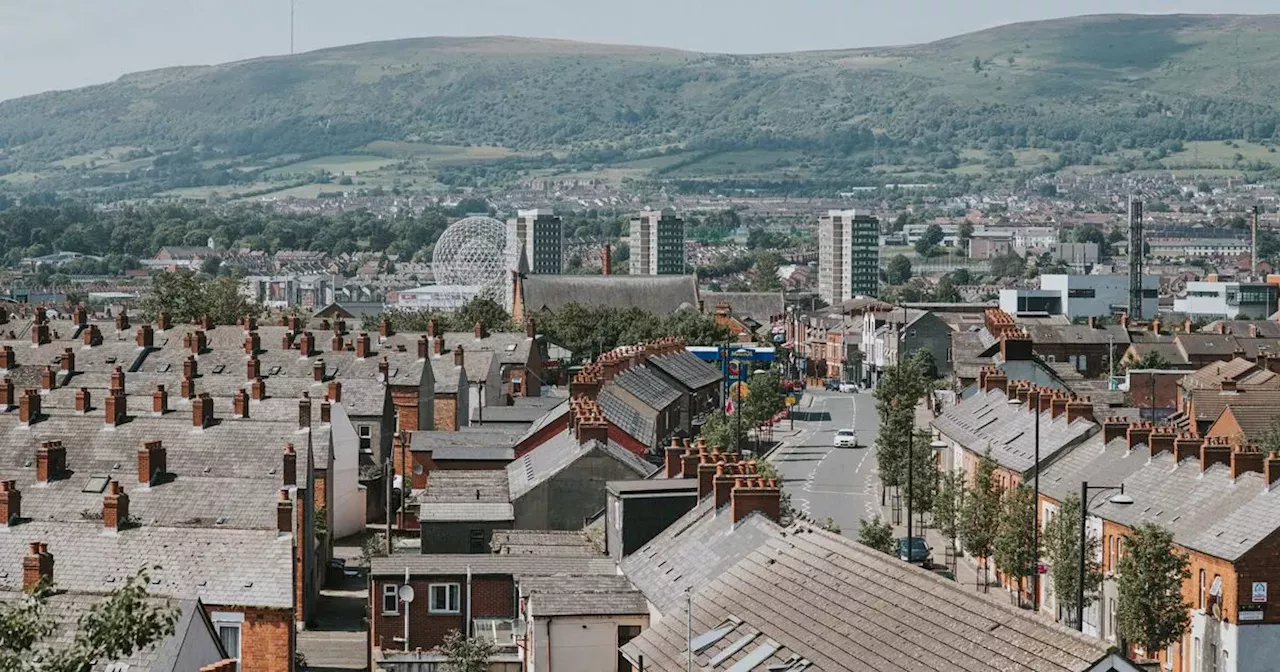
column 39, row 331
column 198, row 342
column 1228, row 385
column 117, row 378
column 996, row 380
column 689, row 463
column 294, row 323
column 190, row 369
column 459, row 356
column 530, row 328
column 160, row 401
column 326, row 411
column 29, row 407
column 1161, row 441
column 6, row 394
column 306, row 345
column 206, row 323
column 725, row 478
column 1058, row 405
column 317, row 371
column 1185, row 446
column 424, row 347
column 478, row 331
column 162, row 321
column 115, row 507
column 606, row 260
column 304, row 411
column 750, row 495
column 146, row 337
column 1246, row 461
column 201, row 411
column 706, row 473
column 252, row 343
column 253, row 368
column 240, row 403
column 1113, row 428
column 151, row 463
column 7, row 360
column 284, row 514
column 37, row 567
column 68, row 360
column 115, row 408
column 258, row 389
column 1079, row 408
column 384, row 369
column 340, row 326
column 122, row 320
column 250, row 323
column 1016, row 345
column 384, row 328
column 362, row 346
column 336, row 343
column 1271, row 469
column 289, row 466
column 79, row 315
column 10, row 503
column 188, row 388
column 286, row 341
column 437, row 345
column 1214, row 452
column 91, row 335
column 51, row 461
column 48, row 380
column 335, row 391
column 1139, row 434
column 671, row 458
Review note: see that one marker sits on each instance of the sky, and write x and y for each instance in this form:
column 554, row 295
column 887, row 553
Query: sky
column 61, row 44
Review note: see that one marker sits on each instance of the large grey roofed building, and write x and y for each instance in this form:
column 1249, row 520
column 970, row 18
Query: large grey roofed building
column 657, row 294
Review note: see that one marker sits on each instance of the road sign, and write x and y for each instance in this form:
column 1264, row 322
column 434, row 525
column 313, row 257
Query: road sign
column 791, row 401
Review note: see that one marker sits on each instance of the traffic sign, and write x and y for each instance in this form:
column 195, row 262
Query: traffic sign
column 791, row 401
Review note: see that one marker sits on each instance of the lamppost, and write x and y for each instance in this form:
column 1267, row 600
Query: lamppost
column 911, row 435
column 1033, row 402
column 1119, row 498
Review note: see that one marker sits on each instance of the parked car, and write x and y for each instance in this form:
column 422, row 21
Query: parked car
column 831, row 384
column 917, row 551
column 848, row 387
column 846, row 438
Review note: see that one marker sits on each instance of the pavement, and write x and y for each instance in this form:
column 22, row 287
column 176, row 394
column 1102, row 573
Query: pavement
column 338, row 640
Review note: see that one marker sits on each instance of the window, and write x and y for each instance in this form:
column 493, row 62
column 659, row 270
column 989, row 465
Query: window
column 445, row 598
column 476, row 543
column 1213, row 658
column 1081, row 293
column 1195, row 658
column 390, row 599
column 366, row 438
column 517, row 383
column 1202, row 588
column 1111, row 617
column 228, row 625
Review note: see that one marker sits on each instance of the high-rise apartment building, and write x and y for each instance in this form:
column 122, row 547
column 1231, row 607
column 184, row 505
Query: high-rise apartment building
column 848, row 255
column 540, row 234
column 657, row 243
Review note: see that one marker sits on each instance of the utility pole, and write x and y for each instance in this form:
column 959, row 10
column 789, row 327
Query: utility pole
column 1253, row 249
column 688, row 596
column 1035, row 519
column 910, row 468
column 388, row 468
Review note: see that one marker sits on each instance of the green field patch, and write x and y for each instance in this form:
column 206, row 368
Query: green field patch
column 336, row 164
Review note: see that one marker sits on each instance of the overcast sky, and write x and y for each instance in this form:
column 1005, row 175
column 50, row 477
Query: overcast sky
column 59, row 44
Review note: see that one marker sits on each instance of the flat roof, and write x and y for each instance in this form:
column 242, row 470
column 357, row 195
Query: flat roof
column 653, row 485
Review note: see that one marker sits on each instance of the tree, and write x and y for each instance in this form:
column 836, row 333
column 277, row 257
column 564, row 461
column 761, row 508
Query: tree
column 765, row 399
column 719, row 431
column 210, row 265
column 1269, row 440
column 948, row 504
column 186, row 296
column 1008, row 266
column 930, row 239
column 766, row 277
column 466, row 654
column 482, row 309
column 899, row 391
column 924, row 474
column 981, row 514
column 977, row 65
column 1062, row 552
column 1150, row 610
column 877, row 534
column 1151, row 360
column 965, row 233
column 1014, row 548
column 127, row 620
column 766, row 469
column 898, row 270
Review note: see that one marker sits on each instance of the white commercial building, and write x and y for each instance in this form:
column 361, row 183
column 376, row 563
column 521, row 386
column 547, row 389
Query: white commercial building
column 1080, row 296
column 1230, row 300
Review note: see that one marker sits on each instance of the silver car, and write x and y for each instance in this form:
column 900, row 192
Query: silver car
column 846, row 438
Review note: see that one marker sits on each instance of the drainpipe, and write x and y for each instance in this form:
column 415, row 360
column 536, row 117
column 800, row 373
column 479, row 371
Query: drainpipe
column 467, row 624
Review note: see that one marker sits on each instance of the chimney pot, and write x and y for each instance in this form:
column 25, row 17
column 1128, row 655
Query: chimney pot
column 289, row 466
column 201, row 411
column 10, row 503
column 335, row 391
column 317, row 371
column 7, row 360
column 384, row 369
column 190, row 369
column 284, row 514
column 37, row 567
column 240, row 403
column 188, row 388
column 145, row 337
column 68, row 360
column 83, row 400
column 384, row 328
column 706, row 477
column 253, row 369
column 47, row 378
column 424, row 347
column 115, row 408
column 29, row 407
column 151, row 463
column 258, row 389
column 325, row 411
column 751, row 495
column 160, row 401
column 252, row 343
column 304, row 412
column 117, row 378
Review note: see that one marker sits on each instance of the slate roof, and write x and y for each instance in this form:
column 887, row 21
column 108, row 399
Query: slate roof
column 657, row 294
column 1212, row 375
column 759, row 306
column 465, row 495
column 842, row 606
column 986, row 419
column 474, row 437
column 646, row 386
column 453, row 564
column 540, row 464
column 564, row 543
column 692, row 551
column 1207, row 511
column 1091, row 461
column 629, row 414
column 1209, row 403
column 522, row 415
column 583, row 596
column 183, row 563
column 686, row 368
column 1078, row 333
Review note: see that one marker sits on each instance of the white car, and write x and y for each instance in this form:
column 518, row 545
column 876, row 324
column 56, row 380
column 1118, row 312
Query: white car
column 846, row 438
column 848, row 387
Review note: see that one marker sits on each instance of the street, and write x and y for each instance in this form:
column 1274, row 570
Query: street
column 823, row 481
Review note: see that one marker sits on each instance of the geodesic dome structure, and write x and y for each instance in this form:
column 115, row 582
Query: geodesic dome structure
column 472, row 252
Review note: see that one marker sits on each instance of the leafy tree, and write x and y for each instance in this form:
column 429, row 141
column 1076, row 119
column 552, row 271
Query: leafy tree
column 467, row 655
column 899, row 391
column 720, row 429
column 925, row 473
column 946, row 292
column 898, row 270
column 1150, row 611
column 766, row 277
column 766, row 469
column 980, row 514
column 1269, row 440
column 127, row 620
column 1062, row 552
column 965, row 233
column 211, row 265
column 1008, row 266
column 877, row 534
column 1151, row 360
column 1014, row 550
column 948, row 504
column 765, row 399
column 187, row 296
column 930, row 239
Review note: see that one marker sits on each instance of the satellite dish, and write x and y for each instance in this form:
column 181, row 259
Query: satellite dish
column 406, row 593
column 1216, row 588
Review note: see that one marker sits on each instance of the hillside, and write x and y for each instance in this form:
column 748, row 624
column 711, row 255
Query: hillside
column 1080, row 87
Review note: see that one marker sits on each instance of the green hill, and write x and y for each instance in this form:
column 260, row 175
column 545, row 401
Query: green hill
column 1080, row 87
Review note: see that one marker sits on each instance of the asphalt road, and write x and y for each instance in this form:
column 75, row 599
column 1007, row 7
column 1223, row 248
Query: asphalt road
column 824, row 481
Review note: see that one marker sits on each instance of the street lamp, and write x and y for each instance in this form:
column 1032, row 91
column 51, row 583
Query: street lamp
column 1035, row 516
column 1119, row 498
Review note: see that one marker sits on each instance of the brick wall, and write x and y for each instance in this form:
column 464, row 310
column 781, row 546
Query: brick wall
column 266, row 638
column 492, row 597
column 446, row 409
column 320, row 491
column 405, row 401
column 542, row 435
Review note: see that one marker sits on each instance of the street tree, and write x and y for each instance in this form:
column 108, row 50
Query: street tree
column 466, row 654
column 877, row 534
column 1014, row 547
column 1062, row 552
column 897, row 394
column 766, row 277
column 965, row 233
column 948, row 504
column 765, row 399
column 126, row 621
column 898, row 271
column 929, row 240
column 720, row 429
column 981, row 515
column 1151, row 612
column 925, row 473
column 187, row 296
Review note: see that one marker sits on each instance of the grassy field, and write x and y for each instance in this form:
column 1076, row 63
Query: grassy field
column 336, row 164
column 1201, row 154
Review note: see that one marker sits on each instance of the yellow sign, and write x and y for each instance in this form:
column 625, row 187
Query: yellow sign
column 791, row 401
column 739, row 390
